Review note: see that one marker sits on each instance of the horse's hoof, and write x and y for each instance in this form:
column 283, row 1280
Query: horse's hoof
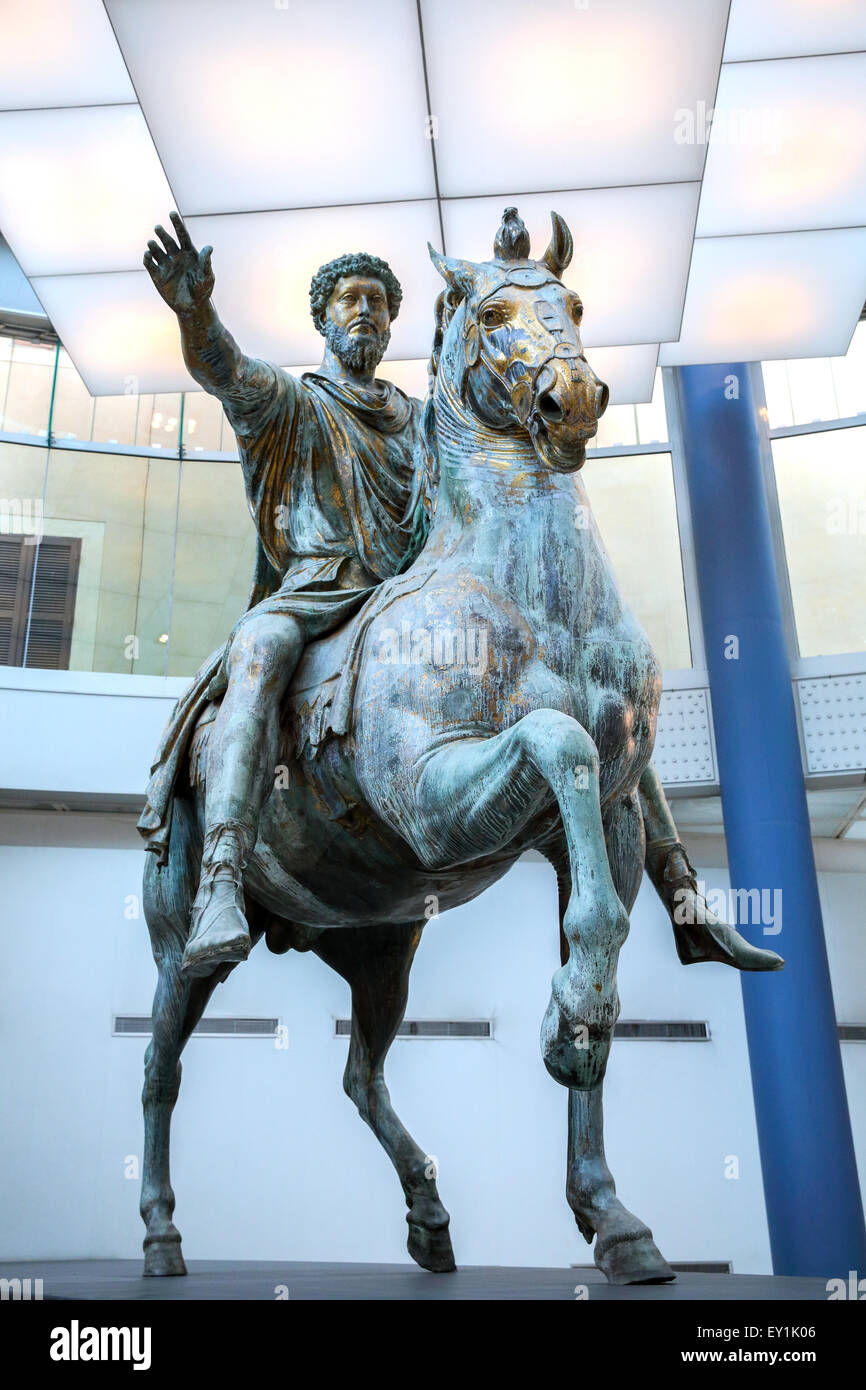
column 635, row 1260
column 163, row 1258
column 430, row 1247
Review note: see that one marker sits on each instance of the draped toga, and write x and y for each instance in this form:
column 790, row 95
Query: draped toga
column 331, row 484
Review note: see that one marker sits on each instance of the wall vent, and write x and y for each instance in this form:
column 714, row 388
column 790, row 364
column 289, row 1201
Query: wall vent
column 662, row 1030
column 852, row 1032
column 139, row 1026
column 429, row 1028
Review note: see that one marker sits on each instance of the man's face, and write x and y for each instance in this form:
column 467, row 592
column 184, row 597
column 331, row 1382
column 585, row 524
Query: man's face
column 357, row 321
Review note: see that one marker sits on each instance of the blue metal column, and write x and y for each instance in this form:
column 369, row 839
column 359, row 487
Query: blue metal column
column 812, row 1193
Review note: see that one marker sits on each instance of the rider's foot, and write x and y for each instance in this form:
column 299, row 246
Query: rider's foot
column 700, row 941
column 219, row 933
column 698, row 933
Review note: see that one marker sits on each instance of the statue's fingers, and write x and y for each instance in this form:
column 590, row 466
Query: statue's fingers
column 168, row 241
column 156, row 251
column 182, row 233
column 204, row 256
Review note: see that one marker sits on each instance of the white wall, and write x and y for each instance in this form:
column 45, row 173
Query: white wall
column 316, row 1185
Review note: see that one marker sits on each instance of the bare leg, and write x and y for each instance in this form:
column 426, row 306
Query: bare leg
column 242, row 753
column 376, row 962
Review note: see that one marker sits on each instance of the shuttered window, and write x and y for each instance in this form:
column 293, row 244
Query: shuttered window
column 52, row 569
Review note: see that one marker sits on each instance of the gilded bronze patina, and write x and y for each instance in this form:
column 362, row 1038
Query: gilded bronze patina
column 492, row 694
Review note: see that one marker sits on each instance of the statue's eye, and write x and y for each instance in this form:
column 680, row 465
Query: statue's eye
column 577, row 309
column 491, row 318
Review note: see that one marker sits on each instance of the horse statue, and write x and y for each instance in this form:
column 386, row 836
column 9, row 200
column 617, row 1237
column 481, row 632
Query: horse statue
column 416, row 776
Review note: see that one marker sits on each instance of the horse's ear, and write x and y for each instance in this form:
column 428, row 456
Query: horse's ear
column 458, row 275
column 561, row 247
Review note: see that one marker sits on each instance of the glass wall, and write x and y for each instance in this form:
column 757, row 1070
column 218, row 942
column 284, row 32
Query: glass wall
column 138, row 558
column 633, row 500
column 811, row 389
column 26, row 378
column 821, row 482
column 820, row 475
column 213, row 564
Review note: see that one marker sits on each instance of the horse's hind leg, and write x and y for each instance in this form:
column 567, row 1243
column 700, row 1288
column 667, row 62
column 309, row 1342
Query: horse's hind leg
column 178, row 1004
column 624, row 1246
column 376, row 962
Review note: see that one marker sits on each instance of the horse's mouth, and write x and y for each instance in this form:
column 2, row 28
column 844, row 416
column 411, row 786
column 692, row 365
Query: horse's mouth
column 563, row 454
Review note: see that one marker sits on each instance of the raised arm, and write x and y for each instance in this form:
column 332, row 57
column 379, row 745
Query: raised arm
column 185, row 280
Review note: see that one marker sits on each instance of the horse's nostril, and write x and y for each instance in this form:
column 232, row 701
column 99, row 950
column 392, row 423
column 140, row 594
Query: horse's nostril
column 602, row 399
column 549, row 407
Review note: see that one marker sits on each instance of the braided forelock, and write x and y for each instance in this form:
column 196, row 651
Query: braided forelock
column 355, row 263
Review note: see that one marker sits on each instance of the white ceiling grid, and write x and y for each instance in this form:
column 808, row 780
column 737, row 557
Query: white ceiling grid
column 289, row 133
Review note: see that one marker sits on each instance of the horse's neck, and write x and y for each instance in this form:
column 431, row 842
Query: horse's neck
column 508, row 517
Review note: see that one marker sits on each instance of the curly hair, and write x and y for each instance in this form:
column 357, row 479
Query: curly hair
column 356, row 263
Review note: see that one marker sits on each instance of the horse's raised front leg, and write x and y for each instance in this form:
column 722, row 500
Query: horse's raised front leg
column 376, row 962
column 472, row 798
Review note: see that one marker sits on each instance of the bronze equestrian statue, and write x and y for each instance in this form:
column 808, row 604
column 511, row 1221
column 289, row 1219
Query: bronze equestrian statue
column 317, row 775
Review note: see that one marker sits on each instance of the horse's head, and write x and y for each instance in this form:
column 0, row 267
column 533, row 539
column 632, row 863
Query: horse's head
column 522, row 361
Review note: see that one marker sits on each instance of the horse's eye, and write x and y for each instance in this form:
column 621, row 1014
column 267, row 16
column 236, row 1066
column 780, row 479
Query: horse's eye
column 577, row 309
column 490, row 318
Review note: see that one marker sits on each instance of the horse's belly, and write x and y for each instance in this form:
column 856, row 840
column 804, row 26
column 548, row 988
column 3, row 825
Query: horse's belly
column 321, row 868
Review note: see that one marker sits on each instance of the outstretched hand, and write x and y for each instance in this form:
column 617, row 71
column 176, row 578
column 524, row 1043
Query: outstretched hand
column 182, row 274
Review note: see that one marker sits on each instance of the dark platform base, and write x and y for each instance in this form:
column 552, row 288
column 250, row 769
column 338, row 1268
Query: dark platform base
column 247, row 1279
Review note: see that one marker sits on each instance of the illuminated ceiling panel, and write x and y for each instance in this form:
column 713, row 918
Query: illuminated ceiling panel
column 628, row 372
column 59, row 53
column 118, row 332
column 771, row 165
column 631, row 252
column 551, row 94
column 116, row 328
column 797, row 294
column 79, row 188
column 258, row 106
column 792, row 28
column 264, row 263
column 292, row 132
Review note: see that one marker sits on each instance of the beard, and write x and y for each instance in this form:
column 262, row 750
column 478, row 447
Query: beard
column 361, row 355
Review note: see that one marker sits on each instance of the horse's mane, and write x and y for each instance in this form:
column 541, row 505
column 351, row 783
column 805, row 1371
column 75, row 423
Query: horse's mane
column 426, row 452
